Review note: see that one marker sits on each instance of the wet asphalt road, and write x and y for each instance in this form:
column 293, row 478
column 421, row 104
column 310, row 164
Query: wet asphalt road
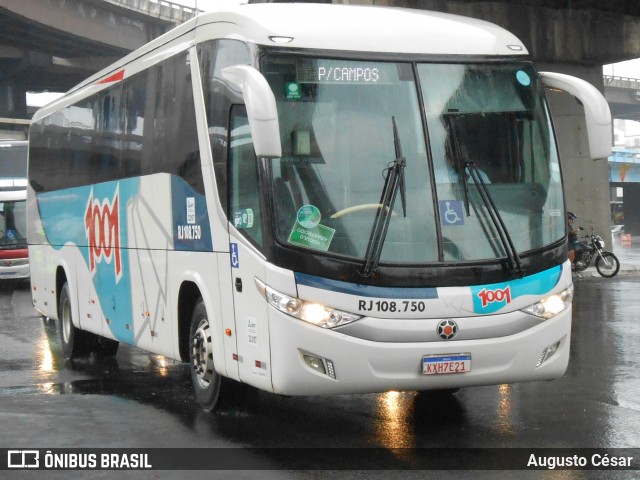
column 139, row 400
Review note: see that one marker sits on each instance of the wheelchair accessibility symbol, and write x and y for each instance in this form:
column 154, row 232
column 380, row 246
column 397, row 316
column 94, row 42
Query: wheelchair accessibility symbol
column 235, row 258
column 451, row 212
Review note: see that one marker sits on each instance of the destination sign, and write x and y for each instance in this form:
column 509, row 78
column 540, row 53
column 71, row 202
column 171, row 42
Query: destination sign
column 346, row 72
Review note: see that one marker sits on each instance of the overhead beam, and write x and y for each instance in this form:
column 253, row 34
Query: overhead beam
column 88, row 20
column 578, row 32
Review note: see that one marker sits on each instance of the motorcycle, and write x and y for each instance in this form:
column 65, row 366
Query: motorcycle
column 592, row 246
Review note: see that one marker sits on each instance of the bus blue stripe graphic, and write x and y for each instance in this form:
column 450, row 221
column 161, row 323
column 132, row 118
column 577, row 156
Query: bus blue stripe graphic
column 64, row 216
column 365, row 290
column 537, row 284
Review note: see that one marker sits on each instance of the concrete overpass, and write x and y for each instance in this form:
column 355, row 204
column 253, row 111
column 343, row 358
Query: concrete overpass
column 53, row 44
column 623, row 96
column 50, row 45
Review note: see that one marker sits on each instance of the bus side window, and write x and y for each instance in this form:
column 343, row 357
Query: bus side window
column 244, row 198
column 214, row 56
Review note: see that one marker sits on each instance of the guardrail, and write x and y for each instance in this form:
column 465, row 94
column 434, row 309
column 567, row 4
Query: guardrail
column 161, row 9
column 621, row 82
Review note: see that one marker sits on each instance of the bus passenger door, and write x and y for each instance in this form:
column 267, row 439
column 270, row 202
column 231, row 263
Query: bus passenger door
column 250, row 309
column 247, row 262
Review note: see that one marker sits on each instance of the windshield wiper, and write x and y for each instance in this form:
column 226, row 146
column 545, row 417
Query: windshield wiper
column 394, row 182
column 505, row 237
column 496, row 218
column 453, row 149
column 400, row 158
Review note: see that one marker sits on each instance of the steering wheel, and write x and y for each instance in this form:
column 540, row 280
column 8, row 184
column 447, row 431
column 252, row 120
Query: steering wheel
column 357, row 208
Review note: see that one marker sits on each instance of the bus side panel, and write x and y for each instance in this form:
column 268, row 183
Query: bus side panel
column 115, row 240
column 201, row 269
column 43, row 280
column 48, row 258
column 150, row 241
column 86, row 286
column 88, row 228
column 85, row 307
column 170, row 243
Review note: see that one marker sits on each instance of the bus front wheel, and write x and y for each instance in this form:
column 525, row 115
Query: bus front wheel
column 75, row 342
column 206, row 381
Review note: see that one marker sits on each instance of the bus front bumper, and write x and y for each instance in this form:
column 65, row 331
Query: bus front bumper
column 17, row 269
column 299, row 352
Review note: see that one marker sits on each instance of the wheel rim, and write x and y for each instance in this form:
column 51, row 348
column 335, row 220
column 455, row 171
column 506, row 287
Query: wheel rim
column 66, row 322
column 607, row 265
column 202, row 355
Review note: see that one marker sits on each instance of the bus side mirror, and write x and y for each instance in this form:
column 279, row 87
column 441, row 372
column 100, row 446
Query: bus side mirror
column 596, row 110
column 261, row 109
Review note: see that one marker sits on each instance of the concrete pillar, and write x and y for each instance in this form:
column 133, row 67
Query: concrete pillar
column 586, row 181
column 13, row 99
column 631, row 210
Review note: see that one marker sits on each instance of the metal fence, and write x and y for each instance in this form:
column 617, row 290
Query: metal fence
column 161, row 9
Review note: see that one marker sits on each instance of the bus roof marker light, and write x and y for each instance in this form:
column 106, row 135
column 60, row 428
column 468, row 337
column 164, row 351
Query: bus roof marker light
column 515, row 48
column 280, row 39
column 523, row 78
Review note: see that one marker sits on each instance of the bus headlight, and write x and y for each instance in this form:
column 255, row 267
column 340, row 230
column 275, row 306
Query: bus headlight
column 315, row 313
column 552, row 305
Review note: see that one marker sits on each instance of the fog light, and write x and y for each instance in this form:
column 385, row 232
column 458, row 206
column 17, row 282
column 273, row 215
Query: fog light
column 547, row 353
column 320, row 365
column 315, row 363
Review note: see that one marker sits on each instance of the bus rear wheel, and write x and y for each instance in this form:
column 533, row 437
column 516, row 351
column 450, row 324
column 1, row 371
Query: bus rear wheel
column 106, row 347
column 75, row 342
column 206, row 381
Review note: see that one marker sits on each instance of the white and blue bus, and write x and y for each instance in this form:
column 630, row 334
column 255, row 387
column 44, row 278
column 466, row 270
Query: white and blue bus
column 312, row 199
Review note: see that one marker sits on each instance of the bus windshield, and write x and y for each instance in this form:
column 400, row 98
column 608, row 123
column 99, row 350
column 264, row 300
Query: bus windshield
column 13, row 159
column 336, row 121
column 13, row 224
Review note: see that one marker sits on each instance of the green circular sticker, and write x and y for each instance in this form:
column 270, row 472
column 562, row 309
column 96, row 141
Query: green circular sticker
column 309, row 216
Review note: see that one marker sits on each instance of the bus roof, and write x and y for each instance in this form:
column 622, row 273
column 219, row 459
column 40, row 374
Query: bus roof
column 341, row 28
column 369, row 29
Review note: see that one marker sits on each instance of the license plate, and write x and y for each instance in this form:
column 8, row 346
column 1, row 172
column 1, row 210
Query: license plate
column 441, row 364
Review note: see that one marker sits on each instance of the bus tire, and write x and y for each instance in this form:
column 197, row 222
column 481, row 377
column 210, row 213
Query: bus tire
column 106, row 347
column 75, row 342
column 206, row 381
